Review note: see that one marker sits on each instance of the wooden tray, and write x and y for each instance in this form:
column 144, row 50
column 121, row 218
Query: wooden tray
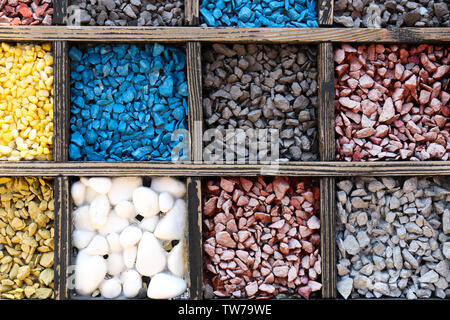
column 326, row 170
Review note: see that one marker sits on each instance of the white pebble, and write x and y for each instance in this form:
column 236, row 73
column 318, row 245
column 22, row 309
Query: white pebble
column 175, row 260
column 146, row 202
column 81, row 219
column 90, row 195
column 130, row 236
column 78, row 192
column 125, row 209
column 111, row 288
column 115, row 264
column 114, row 224
column 81, row 238
column 114, row 243
column 98, row 246
column 89, row 272
column 122, row 189
column 165, row 286
column 100, row 185
column 167, row 184
column 129, row 256
column 149, row 224
column 99, row 211
column 165, row 201
column 132, row 283
column 172, row 225
column 151, row 257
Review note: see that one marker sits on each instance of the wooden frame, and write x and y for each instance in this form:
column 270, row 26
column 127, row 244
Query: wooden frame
column 327, row 170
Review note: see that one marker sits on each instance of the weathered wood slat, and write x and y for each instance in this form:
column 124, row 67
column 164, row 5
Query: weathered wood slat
column 62, row 237
column 327, row 236
column 194, row 238
column 310, row 168
column 195, row 113
column 231, row 35
column 325, row 12
column 59, row 11
column 61, row 108
column 191, row 12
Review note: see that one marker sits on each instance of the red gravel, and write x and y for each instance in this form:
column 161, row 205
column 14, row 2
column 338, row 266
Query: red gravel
column 261, row 237
column 392, row 102
column 26, row 12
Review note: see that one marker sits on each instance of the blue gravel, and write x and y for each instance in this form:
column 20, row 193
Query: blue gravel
column 126, row 102
column 259, row 13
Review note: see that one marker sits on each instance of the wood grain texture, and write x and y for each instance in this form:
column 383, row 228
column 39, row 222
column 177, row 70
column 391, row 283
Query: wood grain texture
column 191, row 12
column 326, row 102
column 195, row 113
column 194, row 238
column 229, row 35
column 62, row 237
column 61, row 108
column 327, row 236
column 325, row 12
column 310, row 168
column 59, row 11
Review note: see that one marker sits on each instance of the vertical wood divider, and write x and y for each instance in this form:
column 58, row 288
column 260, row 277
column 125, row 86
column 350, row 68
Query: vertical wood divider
column 194, row 238
column 62, row 237
column 325, row 10
column 61, row 107
column 327, row 153
column 195, row 112
column 59, row 11
column 191, row 12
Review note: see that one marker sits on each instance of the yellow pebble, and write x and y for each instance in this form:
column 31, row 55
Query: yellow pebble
column 26, row 101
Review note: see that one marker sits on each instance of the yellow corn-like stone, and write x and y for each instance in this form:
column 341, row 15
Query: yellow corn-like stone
column 26, row 101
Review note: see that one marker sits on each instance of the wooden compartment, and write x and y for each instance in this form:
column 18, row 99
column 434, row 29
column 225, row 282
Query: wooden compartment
column 327, row 169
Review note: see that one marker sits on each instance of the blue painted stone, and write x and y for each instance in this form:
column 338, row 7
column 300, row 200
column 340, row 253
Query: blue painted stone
column 75, row 54
column 74, row 152
column 118, row 108
column 166, row 89
column 78, row 139
column 209, row 18
column 245, row 14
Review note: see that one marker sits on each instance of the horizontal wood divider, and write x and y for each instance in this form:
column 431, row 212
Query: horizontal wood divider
column 310, row 168
column 231, row 35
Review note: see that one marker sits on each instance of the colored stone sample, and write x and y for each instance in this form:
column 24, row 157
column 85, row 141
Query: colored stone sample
column 129, row 237
column 391, row 13
column 26, row 12
column 26, row 238
column 127, row 12
column 26, row 102
column 392, row 102
column 250, row 87
column 261, row 238
column 127, row 102
column 392, row 236
column 260, row 13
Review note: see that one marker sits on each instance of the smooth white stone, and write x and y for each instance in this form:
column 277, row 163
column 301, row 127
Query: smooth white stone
column 89, row 272
column 122, row 188
column 84, row 181
column 172, row 225
column 78, row 192
column 165, row 286
column 115, row 264
column 149, row 224
column 99, row 211
column 90, row 195
column 175, row 260
column 130, row 236
column 125, row 209
column 151, row 257
column 167, row 184
column 81, row 219
column 129, row 256
column 114, row 243
column 146, row 202
column 98, row 246
column 114, row 224
column 166, row 201
column 111, row 288
column 100, row 185
column 132, row 283
column 81, row 238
